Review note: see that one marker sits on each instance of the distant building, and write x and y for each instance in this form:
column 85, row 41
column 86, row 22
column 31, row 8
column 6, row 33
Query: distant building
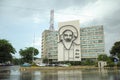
column 49, row 45
column 89, row 42
column 49, row 42
column 92, row 42
column 102, row 64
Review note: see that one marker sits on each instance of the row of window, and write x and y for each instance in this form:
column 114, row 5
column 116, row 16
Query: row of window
column 77, row 56
column 94, row 28
column 91, row 47
column 92, row 50
column 91, row 33
column 89, row 55
column 77, row 53
column 91, row 37
column 92, row 42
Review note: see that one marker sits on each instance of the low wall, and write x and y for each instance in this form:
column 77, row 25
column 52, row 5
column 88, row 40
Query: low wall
column 58, row 68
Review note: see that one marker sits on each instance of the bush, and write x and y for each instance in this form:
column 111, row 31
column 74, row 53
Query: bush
column 118, row 64
column 96, row 64
column 88, row 62
column 110, row 64
column 33, row 64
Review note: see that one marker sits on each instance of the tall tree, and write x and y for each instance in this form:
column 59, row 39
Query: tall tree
column 115, row 50
column 102, row 57
column 6, row 51
column 28, row 53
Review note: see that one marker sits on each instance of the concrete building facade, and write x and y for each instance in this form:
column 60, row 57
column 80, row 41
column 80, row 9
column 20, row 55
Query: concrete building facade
column 87, row 42
column 92, row 42
column 49, row 45
column 69, row 41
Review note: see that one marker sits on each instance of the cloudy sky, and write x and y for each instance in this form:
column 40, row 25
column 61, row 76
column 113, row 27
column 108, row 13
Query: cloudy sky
column 21, row 20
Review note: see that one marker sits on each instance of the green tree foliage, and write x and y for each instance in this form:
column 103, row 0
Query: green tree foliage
column 16, row 61
column 110, row 62
column 115, row 50
column 88, row 62
column 27, row 54
column 74, row 63
column 6, row 51
column 102, row 57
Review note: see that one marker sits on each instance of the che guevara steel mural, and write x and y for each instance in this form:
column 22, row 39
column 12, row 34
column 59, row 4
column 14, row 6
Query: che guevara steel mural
column 69, row 43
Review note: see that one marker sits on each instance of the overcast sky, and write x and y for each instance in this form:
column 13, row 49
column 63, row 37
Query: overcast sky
column 21, row 19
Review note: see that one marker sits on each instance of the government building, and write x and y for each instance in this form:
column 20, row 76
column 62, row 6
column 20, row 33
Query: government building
column 49, row 45
column 72, row 42
column 92, row 42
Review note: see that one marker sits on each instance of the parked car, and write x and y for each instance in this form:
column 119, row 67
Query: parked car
column 26, row 65
column 41, row 64
column 63, row 65
column 4, row 64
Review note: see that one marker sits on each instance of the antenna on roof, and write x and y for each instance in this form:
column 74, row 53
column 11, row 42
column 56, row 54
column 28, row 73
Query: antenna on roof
column 51, row 20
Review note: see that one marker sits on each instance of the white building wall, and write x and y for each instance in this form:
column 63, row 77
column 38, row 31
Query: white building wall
column 69, row 41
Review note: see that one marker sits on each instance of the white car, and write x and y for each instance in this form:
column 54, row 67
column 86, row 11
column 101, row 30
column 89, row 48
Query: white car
column 63, row 65
column 41, row 64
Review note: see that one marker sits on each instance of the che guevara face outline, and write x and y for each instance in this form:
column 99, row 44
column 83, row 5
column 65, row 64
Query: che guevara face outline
column 68, row 34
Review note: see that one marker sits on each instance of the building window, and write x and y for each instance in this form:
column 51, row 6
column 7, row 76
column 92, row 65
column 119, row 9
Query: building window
column 76, row 56
column 77, row 49
column 76, row 53
column 100, row 41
